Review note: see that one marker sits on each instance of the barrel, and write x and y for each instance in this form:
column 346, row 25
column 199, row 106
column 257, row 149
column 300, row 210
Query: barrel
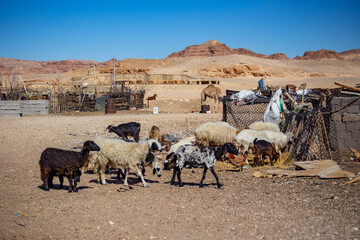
column 110, row 107
column 205, row 108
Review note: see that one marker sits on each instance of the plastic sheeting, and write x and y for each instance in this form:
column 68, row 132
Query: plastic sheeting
column 243, row 97
column 272, row 112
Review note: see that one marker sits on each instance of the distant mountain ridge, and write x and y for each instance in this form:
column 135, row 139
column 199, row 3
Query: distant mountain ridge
column 207, row 49
column 30, row 66
column 215, row 48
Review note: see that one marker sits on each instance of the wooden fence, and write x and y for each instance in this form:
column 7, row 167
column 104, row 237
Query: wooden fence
column 23, row 107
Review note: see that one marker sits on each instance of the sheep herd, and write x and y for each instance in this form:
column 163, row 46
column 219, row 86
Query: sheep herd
column 213, row 140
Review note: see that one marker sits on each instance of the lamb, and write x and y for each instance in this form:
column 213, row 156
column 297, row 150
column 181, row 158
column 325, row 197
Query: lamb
column 264, row 148
column 200, row 156
column 172, row 150
column 125, row 155
column 59, row 162
column 126, row 129
column 264, row 126
column 215, row 134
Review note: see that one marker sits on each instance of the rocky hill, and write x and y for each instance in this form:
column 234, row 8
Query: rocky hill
column 29, row 66
column 215, row 48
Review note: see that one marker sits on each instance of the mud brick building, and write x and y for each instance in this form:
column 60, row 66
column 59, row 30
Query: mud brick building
column 346, row 122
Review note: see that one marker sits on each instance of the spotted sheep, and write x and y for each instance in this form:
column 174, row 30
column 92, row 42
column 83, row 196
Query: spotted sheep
column 197, row 156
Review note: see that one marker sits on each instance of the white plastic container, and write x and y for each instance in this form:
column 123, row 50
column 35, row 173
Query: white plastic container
column 155, row 110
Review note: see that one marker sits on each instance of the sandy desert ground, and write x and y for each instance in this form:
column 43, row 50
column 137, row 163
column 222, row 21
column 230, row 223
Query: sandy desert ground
column 247, row 207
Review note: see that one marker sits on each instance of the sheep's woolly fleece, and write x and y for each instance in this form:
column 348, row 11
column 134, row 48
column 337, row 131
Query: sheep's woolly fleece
column 264, row 126
column 215, row 134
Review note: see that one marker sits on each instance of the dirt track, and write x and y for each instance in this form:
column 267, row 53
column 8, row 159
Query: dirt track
column 247, row 208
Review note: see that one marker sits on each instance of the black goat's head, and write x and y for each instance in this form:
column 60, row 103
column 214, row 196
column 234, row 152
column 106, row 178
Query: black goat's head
column 91, row 146
column 230, row 148
column 109, row 128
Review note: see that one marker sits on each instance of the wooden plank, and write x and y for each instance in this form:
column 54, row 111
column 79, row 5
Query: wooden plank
column 353, row 180
column 317, row 168
column 348, row 87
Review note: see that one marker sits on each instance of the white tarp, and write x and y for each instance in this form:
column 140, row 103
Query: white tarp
column 243, row 96
column 272, row 113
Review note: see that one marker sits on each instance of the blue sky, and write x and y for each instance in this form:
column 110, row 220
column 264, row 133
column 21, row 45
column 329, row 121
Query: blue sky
column 101, row 30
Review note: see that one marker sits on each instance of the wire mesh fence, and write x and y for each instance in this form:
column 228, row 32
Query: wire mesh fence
column 311, row 124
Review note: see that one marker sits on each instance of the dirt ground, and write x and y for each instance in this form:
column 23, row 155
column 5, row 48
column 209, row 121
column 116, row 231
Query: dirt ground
column 247, row 207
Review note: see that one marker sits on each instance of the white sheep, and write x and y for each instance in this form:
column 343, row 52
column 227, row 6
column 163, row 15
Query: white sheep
column 245, row 138
column 215, row 134
column 278, row 139
column 125, row 155
column 264, row 126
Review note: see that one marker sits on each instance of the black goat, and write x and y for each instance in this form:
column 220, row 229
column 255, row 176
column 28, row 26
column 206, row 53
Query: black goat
column 126, row 129
column 59, row 162
column 197, row 156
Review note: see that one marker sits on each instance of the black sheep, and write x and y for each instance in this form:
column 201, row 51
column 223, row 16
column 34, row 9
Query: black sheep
column 76, row 178
column 59, row 162
column 126, row 129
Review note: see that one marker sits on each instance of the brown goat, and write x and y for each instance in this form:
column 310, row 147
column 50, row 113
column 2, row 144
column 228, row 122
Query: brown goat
column 155, row 133
column 264, row 148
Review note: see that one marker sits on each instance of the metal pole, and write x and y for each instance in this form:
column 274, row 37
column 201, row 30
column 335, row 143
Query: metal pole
column 114, row 76
column 95, row 80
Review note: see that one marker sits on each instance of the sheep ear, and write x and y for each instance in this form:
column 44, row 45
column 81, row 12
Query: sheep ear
column 154, row 171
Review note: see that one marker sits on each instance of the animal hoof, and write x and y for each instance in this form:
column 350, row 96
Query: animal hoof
column 75, row 190
column 181, row 185
column 146, row 186
column 220, row 186
column 202, row 186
